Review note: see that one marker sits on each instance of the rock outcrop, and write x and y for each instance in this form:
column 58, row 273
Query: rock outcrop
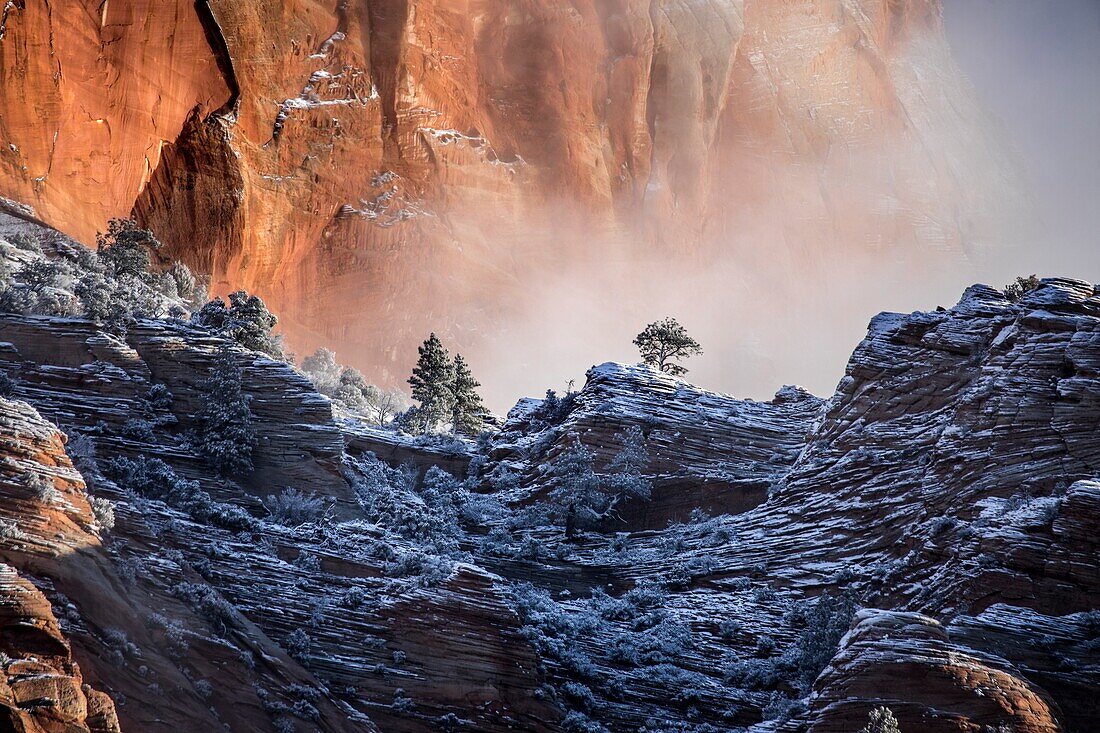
column 906, row 662
column 367, row 167
column 41, row 688
column 44, row 515
column 707, row 451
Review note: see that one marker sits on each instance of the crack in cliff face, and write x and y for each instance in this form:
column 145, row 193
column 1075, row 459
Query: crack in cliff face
column 215, row 38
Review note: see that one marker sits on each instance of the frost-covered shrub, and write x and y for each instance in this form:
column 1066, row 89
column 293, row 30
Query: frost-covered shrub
column 881, row 720
column 9, row 530
column 204, row 689
column 353, row 598
column 139, row 429
column 292, row 507
column 284, row 725
column 626, row 479
column 226, row 436
column 42, row 274
column 308, row 561
column 42, row 488
column 428, row 570
column 580, row 497
column 554, row 632
column 104, row 302
column 685, row 572
column 119, row 646
column 104, row 512
column 155, row 479
column 827, row 620
column 175, row 636
column 37, row 290
column 149, row 477
column 429, row 518
column 402, row 703
column 26, row 242
column 782, row 708
column 765, row 646
column 298, row 644
column 450, row 723
column 941, row 525
column 7, row 385
column 158, row 397
column 209, row 604
column 755, row 674
column 577, row 722
column 765, row 595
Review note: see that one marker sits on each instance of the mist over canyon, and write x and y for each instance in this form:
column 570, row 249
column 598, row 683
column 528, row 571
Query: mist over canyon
column 871, row 504
column 534, row 180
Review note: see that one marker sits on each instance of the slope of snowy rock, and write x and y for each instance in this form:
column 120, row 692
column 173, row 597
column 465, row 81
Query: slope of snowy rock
column 707, row 450
column 949, row 488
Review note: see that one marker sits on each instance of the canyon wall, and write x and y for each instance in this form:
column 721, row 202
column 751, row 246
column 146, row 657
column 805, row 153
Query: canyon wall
column 376, row 170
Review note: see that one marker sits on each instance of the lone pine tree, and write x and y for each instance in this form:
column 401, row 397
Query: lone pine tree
column 664, row 342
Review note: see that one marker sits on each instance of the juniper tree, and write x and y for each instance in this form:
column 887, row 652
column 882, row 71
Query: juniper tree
column 626, row 478
column 183, row 279
column 431, row 381
column 466, row 415
column 1021, row 286
column 581, row 497
column 323, row 370
column 577, row 492
column 226, row 436
column 251, row 324
column 104, row 302
column 246, row 320
column 665, row 342
column 124, row 248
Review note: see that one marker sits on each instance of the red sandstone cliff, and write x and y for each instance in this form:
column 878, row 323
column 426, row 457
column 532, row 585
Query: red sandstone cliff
column 377, row 169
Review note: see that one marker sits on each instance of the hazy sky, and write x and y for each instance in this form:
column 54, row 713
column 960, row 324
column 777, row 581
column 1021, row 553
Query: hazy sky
column 1035, row 65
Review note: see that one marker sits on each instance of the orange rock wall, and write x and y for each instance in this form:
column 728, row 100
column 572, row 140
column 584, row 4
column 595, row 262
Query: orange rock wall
column 379, row 169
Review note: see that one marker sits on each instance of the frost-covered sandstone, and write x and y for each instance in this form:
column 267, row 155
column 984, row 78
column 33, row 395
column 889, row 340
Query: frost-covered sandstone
column 925, row 539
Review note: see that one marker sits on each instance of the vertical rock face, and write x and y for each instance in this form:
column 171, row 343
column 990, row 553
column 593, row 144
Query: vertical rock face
column 92, row 91
column 417, row 162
